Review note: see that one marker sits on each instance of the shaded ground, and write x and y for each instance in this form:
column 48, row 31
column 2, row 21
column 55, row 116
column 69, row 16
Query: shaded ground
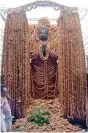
column 57, row 122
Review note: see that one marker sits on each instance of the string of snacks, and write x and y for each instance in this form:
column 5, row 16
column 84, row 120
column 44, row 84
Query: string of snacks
column 16, row 72
column 71, row 69
column 44, row 76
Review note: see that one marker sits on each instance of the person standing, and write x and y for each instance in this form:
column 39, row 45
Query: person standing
column 2, row 119
column 6, row 108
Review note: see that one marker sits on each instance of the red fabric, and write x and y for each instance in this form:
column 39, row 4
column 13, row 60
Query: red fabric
column 44, row 77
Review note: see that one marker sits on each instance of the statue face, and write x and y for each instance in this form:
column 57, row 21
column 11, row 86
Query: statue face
column 43, row 33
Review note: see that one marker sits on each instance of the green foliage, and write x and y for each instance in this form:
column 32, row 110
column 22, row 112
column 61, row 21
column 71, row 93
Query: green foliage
column 39, row 117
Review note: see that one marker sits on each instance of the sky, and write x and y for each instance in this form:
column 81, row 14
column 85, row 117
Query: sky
column 15, row 3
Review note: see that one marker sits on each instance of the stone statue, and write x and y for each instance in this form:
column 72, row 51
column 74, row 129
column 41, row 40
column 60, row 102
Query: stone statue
column 43, row 36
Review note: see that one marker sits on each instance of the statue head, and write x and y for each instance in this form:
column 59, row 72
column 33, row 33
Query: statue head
column 43, row 27
column 43, row 33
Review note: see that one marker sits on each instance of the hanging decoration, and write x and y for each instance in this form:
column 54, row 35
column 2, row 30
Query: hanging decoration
column 16, row 72
column 71, row 68
column 64, row 42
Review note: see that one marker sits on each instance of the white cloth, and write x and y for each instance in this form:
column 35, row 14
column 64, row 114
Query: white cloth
column 8, row 123
column 6, row 108
column 2, row 120
column 7, row 113
column 2, row 124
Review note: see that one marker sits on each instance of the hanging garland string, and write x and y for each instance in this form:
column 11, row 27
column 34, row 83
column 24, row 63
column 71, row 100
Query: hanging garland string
column 71, row 52
column 16, row 59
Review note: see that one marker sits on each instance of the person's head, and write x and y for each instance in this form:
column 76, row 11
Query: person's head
column 3, row 90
